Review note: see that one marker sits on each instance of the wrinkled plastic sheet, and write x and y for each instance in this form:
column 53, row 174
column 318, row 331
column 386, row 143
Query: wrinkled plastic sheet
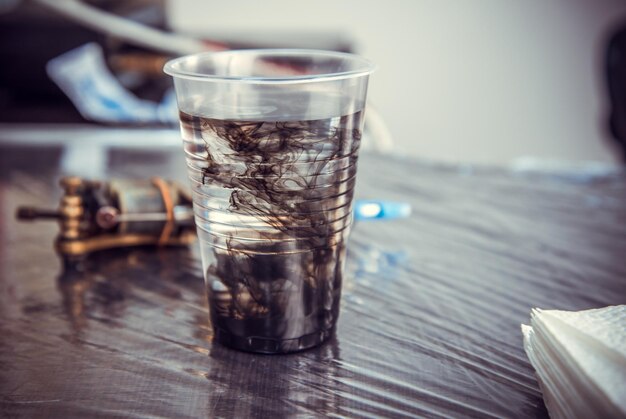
column 430, row 313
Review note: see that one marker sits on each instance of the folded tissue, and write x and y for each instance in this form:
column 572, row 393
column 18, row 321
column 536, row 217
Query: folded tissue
column 580, row 360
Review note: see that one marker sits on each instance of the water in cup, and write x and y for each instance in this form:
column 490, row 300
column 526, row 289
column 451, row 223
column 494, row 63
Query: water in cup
column 272, row 204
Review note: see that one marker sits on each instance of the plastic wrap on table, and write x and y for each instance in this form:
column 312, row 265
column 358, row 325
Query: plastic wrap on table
column 429, row 322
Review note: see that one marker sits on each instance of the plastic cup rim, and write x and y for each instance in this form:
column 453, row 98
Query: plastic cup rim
column 365, row 68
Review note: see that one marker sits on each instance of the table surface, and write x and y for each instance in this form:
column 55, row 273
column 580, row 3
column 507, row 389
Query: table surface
column 431, row 309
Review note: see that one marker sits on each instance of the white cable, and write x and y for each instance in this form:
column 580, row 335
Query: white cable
column 125, row 29
column 378, row 130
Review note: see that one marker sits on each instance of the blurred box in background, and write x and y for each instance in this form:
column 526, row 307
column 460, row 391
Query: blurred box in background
column 31, row 35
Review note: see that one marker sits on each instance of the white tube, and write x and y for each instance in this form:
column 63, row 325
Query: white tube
column 125, row 29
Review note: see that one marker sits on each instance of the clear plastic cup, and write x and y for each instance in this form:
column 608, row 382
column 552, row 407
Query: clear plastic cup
column 271, row 139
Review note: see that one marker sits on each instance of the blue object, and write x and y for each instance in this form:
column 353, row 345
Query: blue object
column 380, row 210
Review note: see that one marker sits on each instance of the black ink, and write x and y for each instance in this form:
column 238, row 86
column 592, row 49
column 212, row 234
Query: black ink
column 274, row 279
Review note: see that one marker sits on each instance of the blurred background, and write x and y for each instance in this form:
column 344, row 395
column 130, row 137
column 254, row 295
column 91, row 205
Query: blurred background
column 487, row 81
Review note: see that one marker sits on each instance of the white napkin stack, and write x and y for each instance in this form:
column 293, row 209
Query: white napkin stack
column 580, row 360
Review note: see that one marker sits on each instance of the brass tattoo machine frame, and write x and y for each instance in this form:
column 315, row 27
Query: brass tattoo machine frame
column 96, row 215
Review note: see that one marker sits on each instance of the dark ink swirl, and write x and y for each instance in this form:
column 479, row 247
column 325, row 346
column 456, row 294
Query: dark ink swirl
column 277, row 242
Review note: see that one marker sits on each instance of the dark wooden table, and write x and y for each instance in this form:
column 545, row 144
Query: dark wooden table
column 431, row 312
